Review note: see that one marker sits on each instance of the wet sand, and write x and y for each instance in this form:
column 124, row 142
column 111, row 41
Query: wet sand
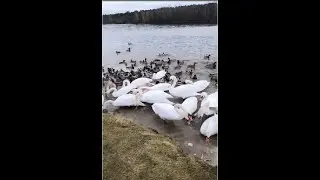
column 178, row 130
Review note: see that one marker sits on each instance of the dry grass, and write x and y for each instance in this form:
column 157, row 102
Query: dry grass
column 132, row 152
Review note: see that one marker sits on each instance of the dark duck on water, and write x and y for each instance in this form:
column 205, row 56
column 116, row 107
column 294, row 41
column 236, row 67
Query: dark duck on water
column 194, row 77
column 124, row 61
column 207, row 56
column 192, row 66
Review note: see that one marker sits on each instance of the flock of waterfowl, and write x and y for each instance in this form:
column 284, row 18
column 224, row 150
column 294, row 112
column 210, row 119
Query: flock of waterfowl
column 149, row 68
column 150, row 84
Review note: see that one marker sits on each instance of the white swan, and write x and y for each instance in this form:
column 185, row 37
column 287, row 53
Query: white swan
column 205, row 110
column 190, row 105
column 140, row 82
column 159, row 75
column 120, row 92
column 209, row 127
column 208, row 104
column 182, row 91
column 170, row 112
column 153, row 96
column 199, row 85
column 160, row 86
column 126, row 100
column 212, row 98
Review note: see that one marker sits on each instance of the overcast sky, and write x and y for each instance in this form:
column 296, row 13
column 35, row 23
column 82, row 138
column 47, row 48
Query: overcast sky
column 111, row 7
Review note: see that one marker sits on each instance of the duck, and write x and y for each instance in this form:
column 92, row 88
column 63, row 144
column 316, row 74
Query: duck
column 199, row 85
column 126, row 100
column 153, row 96
column 192, row 66
column 177, row 67
column 132, row 61
column 211, row 65
column 170, row 112
column 209, row 127
column 207, row 57
column 130, row 67
column 183, row 91
column 118, row 52
column 194, row 77
column 124, row 61
column 159, row 75
column 178, row 74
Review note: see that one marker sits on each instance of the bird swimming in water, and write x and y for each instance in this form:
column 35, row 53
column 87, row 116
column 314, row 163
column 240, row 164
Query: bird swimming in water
column 194, row 77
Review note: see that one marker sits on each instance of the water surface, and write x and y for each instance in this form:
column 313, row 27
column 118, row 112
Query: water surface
column 181, row 42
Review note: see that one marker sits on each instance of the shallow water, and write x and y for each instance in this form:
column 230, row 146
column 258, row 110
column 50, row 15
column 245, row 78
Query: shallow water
column 189, row 43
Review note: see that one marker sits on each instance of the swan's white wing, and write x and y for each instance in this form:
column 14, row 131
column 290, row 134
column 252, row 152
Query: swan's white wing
column 201, row 85
column 159, row 75
column 183, row 91
column 204, row 129
column 123, row 91
column 190, row 104
column 213, row 125
column 210, row 126
column 166, row 111
column 213, row 98
column 140, row 82
column 125, row 100
column 161, row 86
column 155, row 96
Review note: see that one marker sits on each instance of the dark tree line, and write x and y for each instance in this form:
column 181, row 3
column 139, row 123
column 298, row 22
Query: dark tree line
column 192, row 14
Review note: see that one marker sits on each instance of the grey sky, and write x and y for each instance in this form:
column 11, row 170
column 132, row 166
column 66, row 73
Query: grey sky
column 111, row 7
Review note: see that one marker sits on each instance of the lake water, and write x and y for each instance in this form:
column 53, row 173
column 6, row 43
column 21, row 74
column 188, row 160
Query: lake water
column 180, row 42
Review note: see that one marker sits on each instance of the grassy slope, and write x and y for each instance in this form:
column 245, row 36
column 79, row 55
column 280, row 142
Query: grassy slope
column 133, row 152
